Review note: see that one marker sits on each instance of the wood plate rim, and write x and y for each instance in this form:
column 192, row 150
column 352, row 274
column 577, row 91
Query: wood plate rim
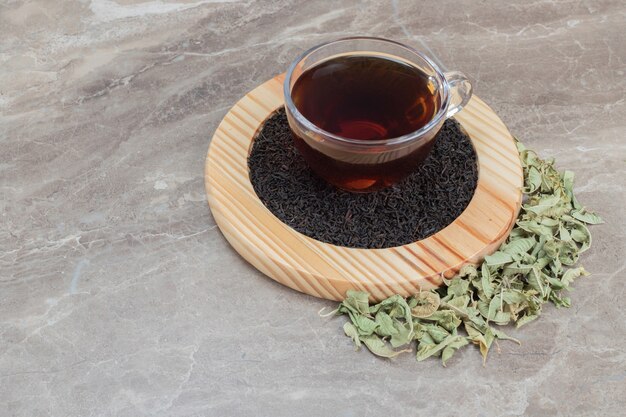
column 328, row 271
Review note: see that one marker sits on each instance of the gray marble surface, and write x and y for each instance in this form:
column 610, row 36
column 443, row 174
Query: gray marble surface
column 120, row 297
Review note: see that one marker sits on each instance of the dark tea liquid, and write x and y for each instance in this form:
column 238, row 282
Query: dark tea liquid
column 365, row 98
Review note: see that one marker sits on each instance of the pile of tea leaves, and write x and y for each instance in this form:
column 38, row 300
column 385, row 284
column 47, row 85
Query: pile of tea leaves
column 534, row 266
column 424, row 203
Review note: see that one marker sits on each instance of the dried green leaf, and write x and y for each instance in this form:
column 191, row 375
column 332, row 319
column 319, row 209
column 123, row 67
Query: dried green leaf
column 458, row 287
column 495, row 305
column 513, row 297
column 587, row 216
column 483, row 340
column 385, row 325
column 459, row 302
column 544, row 205
column 446, row 319
column 379, row 348
column 572, row 274
column 547, row 221
column 579, row 235
column 357, row 301
column 396, row 306
column 352, row 332
column 533, row 180
column 403, row 336
column 427, row 350
column 483, row 308
column 502, row 318
column 364, row 325
column 519, row 246
column 554, row 283
column 486, row 280
column 559, row 301
column 498, row 258
column 568, row 183
column 468, row 271
column 437, row 333
column 516, row 268
column 449, row 350
column 526, row 319
column 426, row 304
column 575, row 203
column 423, row 337
column 532, row 226
column 535, row 281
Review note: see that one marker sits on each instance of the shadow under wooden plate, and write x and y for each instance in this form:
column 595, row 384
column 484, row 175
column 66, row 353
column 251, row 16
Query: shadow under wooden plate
column 328, row 271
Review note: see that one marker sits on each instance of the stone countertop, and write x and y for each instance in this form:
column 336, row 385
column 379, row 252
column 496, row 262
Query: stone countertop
column 119, row 296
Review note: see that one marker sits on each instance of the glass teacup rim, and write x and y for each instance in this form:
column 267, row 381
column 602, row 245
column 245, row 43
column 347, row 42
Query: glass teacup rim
column 409, row 137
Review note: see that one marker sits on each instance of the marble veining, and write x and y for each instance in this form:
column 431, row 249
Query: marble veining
column 120, row 297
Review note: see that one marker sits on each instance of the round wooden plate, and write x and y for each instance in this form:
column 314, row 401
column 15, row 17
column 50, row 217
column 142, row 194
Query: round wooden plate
column 328, row 271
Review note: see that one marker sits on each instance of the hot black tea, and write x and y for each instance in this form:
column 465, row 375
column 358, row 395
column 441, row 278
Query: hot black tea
column 365, row 98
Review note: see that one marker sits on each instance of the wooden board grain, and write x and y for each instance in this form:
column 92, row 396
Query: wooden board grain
column 328, row 271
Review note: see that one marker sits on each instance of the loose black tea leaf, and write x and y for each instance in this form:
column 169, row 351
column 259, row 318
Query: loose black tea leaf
column 426, row 202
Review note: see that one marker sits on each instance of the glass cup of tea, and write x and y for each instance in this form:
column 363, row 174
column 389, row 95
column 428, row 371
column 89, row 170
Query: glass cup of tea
column 364, row 112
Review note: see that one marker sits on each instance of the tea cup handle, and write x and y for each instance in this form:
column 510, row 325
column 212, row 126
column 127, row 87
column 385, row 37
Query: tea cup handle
column 460, row 91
